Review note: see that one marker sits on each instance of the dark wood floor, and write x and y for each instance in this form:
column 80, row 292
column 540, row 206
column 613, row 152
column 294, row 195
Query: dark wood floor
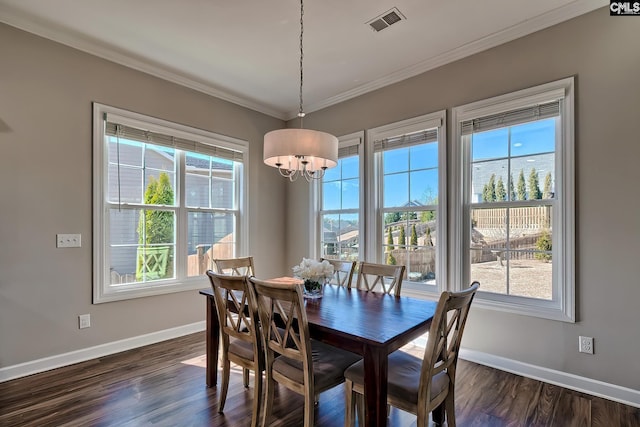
column 163, row 385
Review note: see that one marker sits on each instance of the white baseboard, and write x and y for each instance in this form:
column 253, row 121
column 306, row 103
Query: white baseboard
column 65, row 359
column 590, row 386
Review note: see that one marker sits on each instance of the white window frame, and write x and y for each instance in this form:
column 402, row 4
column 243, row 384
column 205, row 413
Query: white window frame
column 103, row 291
column 355, row 139
column 374, row 217
column 562, row 305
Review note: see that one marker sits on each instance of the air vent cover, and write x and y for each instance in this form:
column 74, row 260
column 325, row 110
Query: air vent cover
column 388, row 18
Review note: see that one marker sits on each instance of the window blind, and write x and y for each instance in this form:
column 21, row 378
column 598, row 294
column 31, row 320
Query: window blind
column 510, row 118
column 159, row 138
column 415, row 138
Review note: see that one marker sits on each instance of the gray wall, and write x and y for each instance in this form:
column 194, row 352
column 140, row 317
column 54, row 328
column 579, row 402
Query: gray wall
column 603, row 53
column 46, row 91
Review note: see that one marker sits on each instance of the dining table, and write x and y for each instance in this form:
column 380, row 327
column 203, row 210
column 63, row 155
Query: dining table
column 367, row 323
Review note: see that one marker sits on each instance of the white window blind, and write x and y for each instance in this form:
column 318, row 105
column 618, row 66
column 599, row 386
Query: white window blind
column 510, row 118
column 415, row 138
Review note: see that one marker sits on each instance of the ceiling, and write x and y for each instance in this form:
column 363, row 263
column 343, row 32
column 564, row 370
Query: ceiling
column 247, row 52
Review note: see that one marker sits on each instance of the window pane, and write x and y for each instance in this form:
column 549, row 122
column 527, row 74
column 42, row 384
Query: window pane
column 128, row 152
column 410, row 240
column 210, row 236
column 331, row 195
column 424, row 156
column 490, row 181
column 511, row 250
column 350, row 194
column 533, row 137
column 160, row 158
column 424, row 187
column 493, row 144
column 222, row 194
column 395, row 160
column 340, row 236
column 396, row 190
column 197, row 190
column 350, row 167
column 125, row 186
column 159, row 188
column 123, row 244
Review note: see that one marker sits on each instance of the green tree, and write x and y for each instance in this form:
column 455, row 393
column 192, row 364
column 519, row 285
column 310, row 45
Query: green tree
column 522, row 187
column 534, row 185
column 544, row 243
column 512, row 191
column 427, row 216
column 546, row 192
column 414, row 236
column 427, row 238
column 155, row 227
column 489, row 190
column 391, row 260
column 402, row 240
column 389, row 239
column 501, row 193
column 392, row 217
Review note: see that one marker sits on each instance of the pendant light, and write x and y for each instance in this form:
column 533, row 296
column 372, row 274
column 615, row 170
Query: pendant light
column 300, row 152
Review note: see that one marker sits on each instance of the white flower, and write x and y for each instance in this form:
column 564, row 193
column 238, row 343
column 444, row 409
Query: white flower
column 313, row 269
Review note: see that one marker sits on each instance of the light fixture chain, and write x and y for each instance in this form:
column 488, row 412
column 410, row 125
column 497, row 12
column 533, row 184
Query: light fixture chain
column 301, row 111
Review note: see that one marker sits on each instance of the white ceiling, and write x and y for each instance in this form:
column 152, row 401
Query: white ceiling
column 247, row 52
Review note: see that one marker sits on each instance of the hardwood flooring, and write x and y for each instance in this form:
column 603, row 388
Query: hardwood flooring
column 163, row 385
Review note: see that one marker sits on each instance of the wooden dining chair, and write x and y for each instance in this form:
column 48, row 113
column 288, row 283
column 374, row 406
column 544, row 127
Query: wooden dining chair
column 239, row 333
column 427, row 385
column 305, row 366
column 380, row 277
column 342, row 271
column 242, row 266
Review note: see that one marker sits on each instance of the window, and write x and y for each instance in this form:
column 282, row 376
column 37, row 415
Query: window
column 407, row 217
column 167, row 201
column 340, row 199
column 515, row 211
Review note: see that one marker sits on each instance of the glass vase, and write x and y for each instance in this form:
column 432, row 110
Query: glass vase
column 313, row 288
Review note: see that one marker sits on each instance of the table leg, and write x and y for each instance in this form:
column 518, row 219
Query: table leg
column 213, row 342
column 375, row 386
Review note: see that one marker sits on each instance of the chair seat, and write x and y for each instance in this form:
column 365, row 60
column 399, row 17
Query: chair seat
column 241, row 348
column 329, row 364
column 403, row 377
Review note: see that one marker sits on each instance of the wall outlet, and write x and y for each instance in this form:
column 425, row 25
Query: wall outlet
column 585, row 345
column 68, row 240
column 84, row 321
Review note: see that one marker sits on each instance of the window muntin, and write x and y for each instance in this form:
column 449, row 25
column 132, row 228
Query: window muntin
column 516, row 207
column 166, row 206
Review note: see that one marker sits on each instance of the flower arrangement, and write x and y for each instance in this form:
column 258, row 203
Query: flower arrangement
column 314, row 273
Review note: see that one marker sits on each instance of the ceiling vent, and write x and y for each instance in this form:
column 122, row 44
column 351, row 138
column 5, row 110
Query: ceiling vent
column 385, row 20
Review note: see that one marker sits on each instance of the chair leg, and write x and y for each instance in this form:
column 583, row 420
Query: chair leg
column 350, row 404
column 257, row 399
column 438, row 415
column 224, row 382
column 245, row 377
column 309, row 408
column 269, row 389
column 450, row 409
column 360, row 409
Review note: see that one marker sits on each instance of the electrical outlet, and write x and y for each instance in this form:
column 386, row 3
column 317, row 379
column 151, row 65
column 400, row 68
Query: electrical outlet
column 68, row 240
column 585, row 345
column 84, row 321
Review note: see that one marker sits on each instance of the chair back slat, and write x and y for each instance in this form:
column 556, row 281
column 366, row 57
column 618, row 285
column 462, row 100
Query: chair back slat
column 380, row 278
column 342, row 271
column 242, row 266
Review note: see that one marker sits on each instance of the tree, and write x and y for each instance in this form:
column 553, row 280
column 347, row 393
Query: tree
column 402, row 240
column 501, row 194
column 534, row 185
column 427, row 239
column 489, row 190
column 546, row 192
column 512, row 191
column 522, row 187
column 391, row 260
column 155, row 227
column 389, row 239
column 392, row 217
column 544, row 243
column 414, row 236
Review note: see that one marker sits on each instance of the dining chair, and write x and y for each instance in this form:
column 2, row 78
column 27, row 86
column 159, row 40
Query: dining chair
column 380, row 277
column 342, row 271
column 305, row 366
column 427, row 385
column 242, row 266
column 239, row 333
